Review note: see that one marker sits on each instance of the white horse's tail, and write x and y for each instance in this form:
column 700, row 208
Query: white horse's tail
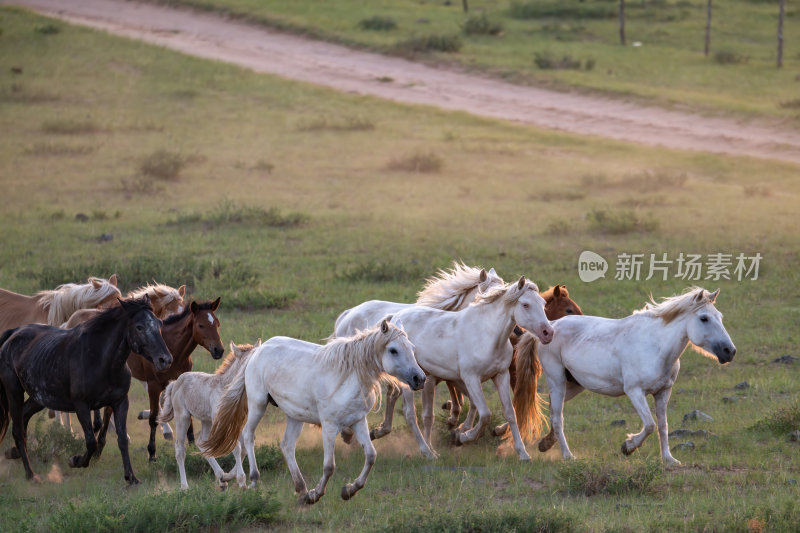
column 166, row 413
column 528, row 405
column 230, row 418
column 339, row 320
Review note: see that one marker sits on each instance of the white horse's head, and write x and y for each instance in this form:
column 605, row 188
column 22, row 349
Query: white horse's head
column 705, row 329
column 489, row 280
column 529, row 310
column 398, row 358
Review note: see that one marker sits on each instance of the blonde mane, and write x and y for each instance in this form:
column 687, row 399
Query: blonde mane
column 448, row 288
column 65, row 299
column 359, row 355
column 157, row 291
column 674, row 306
column 229, row 364
column 510, row 292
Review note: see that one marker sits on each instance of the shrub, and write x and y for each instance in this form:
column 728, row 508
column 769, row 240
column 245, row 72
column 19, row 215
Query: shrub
column 69, row 127
column 654, row 180
column 480, row 25
column 378, row 23
column 595, row 477
column 619, row 222
column 562, row 10
column 162, row 165
column 726, row 57
column 49, row 440
column 140, row 185
column 784, row 420
column 358, row 123
column 424, row 162
column 47, row 29
column 430, row 43
column 790, row 104
column 547, row 61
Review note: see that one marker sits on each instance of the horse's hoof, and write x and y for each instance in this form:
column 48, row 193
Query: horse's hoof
column 446, row 406
column 35, row 479
column 167, row 436
column 152, row 459
column 141, row 415
column 133, row 481
column 309, row 498
column 12, row 453
column 348, row 491
column 223, row 486
column 501, row 430
column 75, row 461
column 545, row 445
column 625, row 449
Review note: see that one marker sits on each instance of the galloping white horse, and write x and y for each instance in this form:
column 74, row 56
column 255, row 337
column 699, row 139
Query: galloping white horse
column 334, row 385
column 636, row 355
column 195, row 394
column 451, row 290
column 470, row 347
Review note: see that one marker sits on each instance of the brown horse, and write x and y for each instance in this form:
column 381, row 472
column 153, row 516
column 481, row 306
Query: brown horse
column 196, row 325
column 558, row 304
column 164, row 299
column 56, row 306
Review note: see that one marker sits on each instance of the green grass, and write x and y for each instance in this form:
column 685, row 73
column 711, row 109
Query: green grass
column 668, row 67
column 508, row 196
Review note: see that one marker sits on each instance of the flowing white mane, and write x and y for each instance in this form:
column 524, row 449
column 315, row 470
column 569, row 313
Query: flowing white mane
column 157, row 291
column 672, row 307
column 510, row 292
column 231, row 364
column 65, row 299
column 448, row 288
column 359, row 355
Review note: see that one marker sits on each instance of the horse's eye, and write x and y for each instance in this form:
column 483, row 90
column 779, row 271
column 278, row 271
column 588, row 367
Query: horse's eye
column 703, row 319
column 393, row 351
column 570, row 311
column 526, row 306
column 139, row 327
column 201, row 326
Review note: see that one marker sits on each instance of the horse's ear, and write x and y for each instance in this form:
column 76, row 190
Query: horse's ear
column 492, row 272
column 96, row 283
column 699, row 296
column 483, row 275
column 215, row 305
column 557, row 291
column 193, row 306
column 258, row 343
column 384, row 326
column 113, row 280
column 521, row 282
column 182, row 290
column 713, row 296
column 235, row 349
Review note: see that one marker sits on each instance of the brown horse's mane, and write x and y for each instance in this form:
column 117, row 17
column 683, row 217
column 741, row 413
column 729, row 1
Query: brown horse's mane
column 202, row 306
column 231, row 358
column 548, row 294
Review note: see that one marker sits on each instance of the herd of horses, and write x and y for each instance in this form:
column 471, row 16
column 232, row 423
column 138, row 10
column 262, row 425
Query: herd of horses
column 75, row 349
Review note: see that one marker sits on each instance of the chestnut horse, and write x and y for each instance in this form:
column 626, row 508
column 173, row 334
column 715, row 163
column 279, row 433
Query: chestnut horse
column 197, row 325
column 56, row 306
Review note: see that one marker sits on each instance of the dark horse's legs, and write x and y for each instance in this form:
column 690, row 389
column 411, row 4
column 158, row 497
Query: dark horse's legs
column 85, row 418
column 98, row 422
column 153, row 392
column 15, row 395
column 29, row 408
column 101, row 436
column 120, row 421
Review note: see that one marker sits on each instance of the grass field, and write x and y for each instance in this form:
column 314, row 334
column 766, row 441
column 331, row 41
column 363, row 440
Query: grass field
column 572, row 43
column 294, row 203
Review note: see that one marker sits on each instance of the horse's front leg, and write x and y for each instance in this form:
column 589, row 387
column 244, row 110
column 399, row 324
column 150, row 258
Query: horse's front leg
column 455, row 404
column 101, row 436
column 288, row 445
column 153, row 392
column 549, row 440
column 428, row 398
column 84, row 415
column 410, row 412
column 120, row 421
column 502, row 384
column 392, row 394
column 639, row 401
column 360, row 429
column 329, row 432
column 662, row 399
column 475, row 392
column 557, row 385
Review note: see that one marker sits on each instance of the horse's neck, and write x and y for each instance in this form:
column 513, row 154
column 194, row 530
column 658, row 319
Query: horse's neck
column 179, row 339
column 115, row 346
column 496, row 317
column 466, row 299
column 671, row 338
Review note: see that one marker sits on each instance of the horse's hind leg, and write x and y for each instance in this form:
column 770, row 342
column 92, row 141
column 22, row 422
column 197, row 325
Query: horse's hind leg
column 256, row 405
column 153, row 393
column 85, row 418
column 549, row 440
column 15, row 395
column 639, row 401
column 501, row 383
column 181, row 425
column 455, row 404
column 120, row 421
column 662, row 399
column 392, row 394
column 237, row 472
column 288, row 444
column 101, row 435
column 329, row 433
column 475, row 391
column 205, row 431
column 360, row 429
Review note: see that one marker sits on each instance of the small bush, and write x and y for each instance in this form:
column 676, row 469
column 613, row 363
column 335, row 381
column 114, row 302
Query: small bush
column 547, row 61
column 140, row 185
column 727, row 57
column 537, row 9
column 654, row 180
column 594, row 180
column 378, row 23
column 50, row 439
column 162, row 165
column 555, row 195
column 69, row 127
column 619, row 222
column 790, row 104
column 381, row 272
column 358, row 123
column 430, row 43
column 529, row 521
column 228, row 212
column 758, row 189
column 268, row 457
column 595, row 477
column 54, row 149
column 559, row 227
column 784, row 420
column 19, row 93
column 47, row 29
column 423, row 162
column 201, row 508
column 480, row 25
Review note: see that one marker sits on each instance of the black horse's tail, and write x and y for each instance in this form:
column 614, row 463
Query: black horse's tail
column 3, row 400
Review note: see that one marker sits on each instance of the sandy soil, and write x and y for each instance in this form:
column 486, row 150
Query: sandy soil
column 337, row 67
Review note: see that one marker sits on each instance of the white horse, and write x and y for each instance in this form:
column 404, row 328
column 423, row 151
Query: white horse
column 334, row 385
column 451, row 290
column 636, row 355
column 470, row 347
column 195, row 394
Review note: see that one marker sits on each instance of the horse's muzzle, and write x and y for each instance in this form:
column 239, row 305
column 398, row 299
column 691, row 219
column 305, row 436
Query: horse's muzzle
column 545, row 334
column 162, row 362
column 417, row 381
column 217, row 352
column 724, row 352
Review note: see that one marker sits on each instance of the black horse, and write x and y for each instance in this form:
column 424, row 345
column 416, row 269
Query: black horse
column 77, row 370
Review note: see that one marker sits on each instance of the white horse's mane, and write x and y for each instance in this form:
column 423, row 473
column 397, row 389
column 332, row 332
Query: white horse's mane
column 672, row 307
column 510, row 292
column 447, row 289
column 359, row 355
column 231, row 364
column 157, row 291
column 65, row 299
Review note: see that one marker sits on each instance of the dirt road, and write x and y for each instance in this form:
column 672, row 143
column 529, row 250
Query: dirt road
column 337, row 67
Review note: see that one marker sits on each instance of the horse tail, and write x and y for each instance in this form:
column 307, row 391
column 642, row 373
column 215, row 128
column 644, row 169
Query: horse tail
column 337, row 324
column 229, row 420
column 4, row 416
column 528, row 405
column 165, row 414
